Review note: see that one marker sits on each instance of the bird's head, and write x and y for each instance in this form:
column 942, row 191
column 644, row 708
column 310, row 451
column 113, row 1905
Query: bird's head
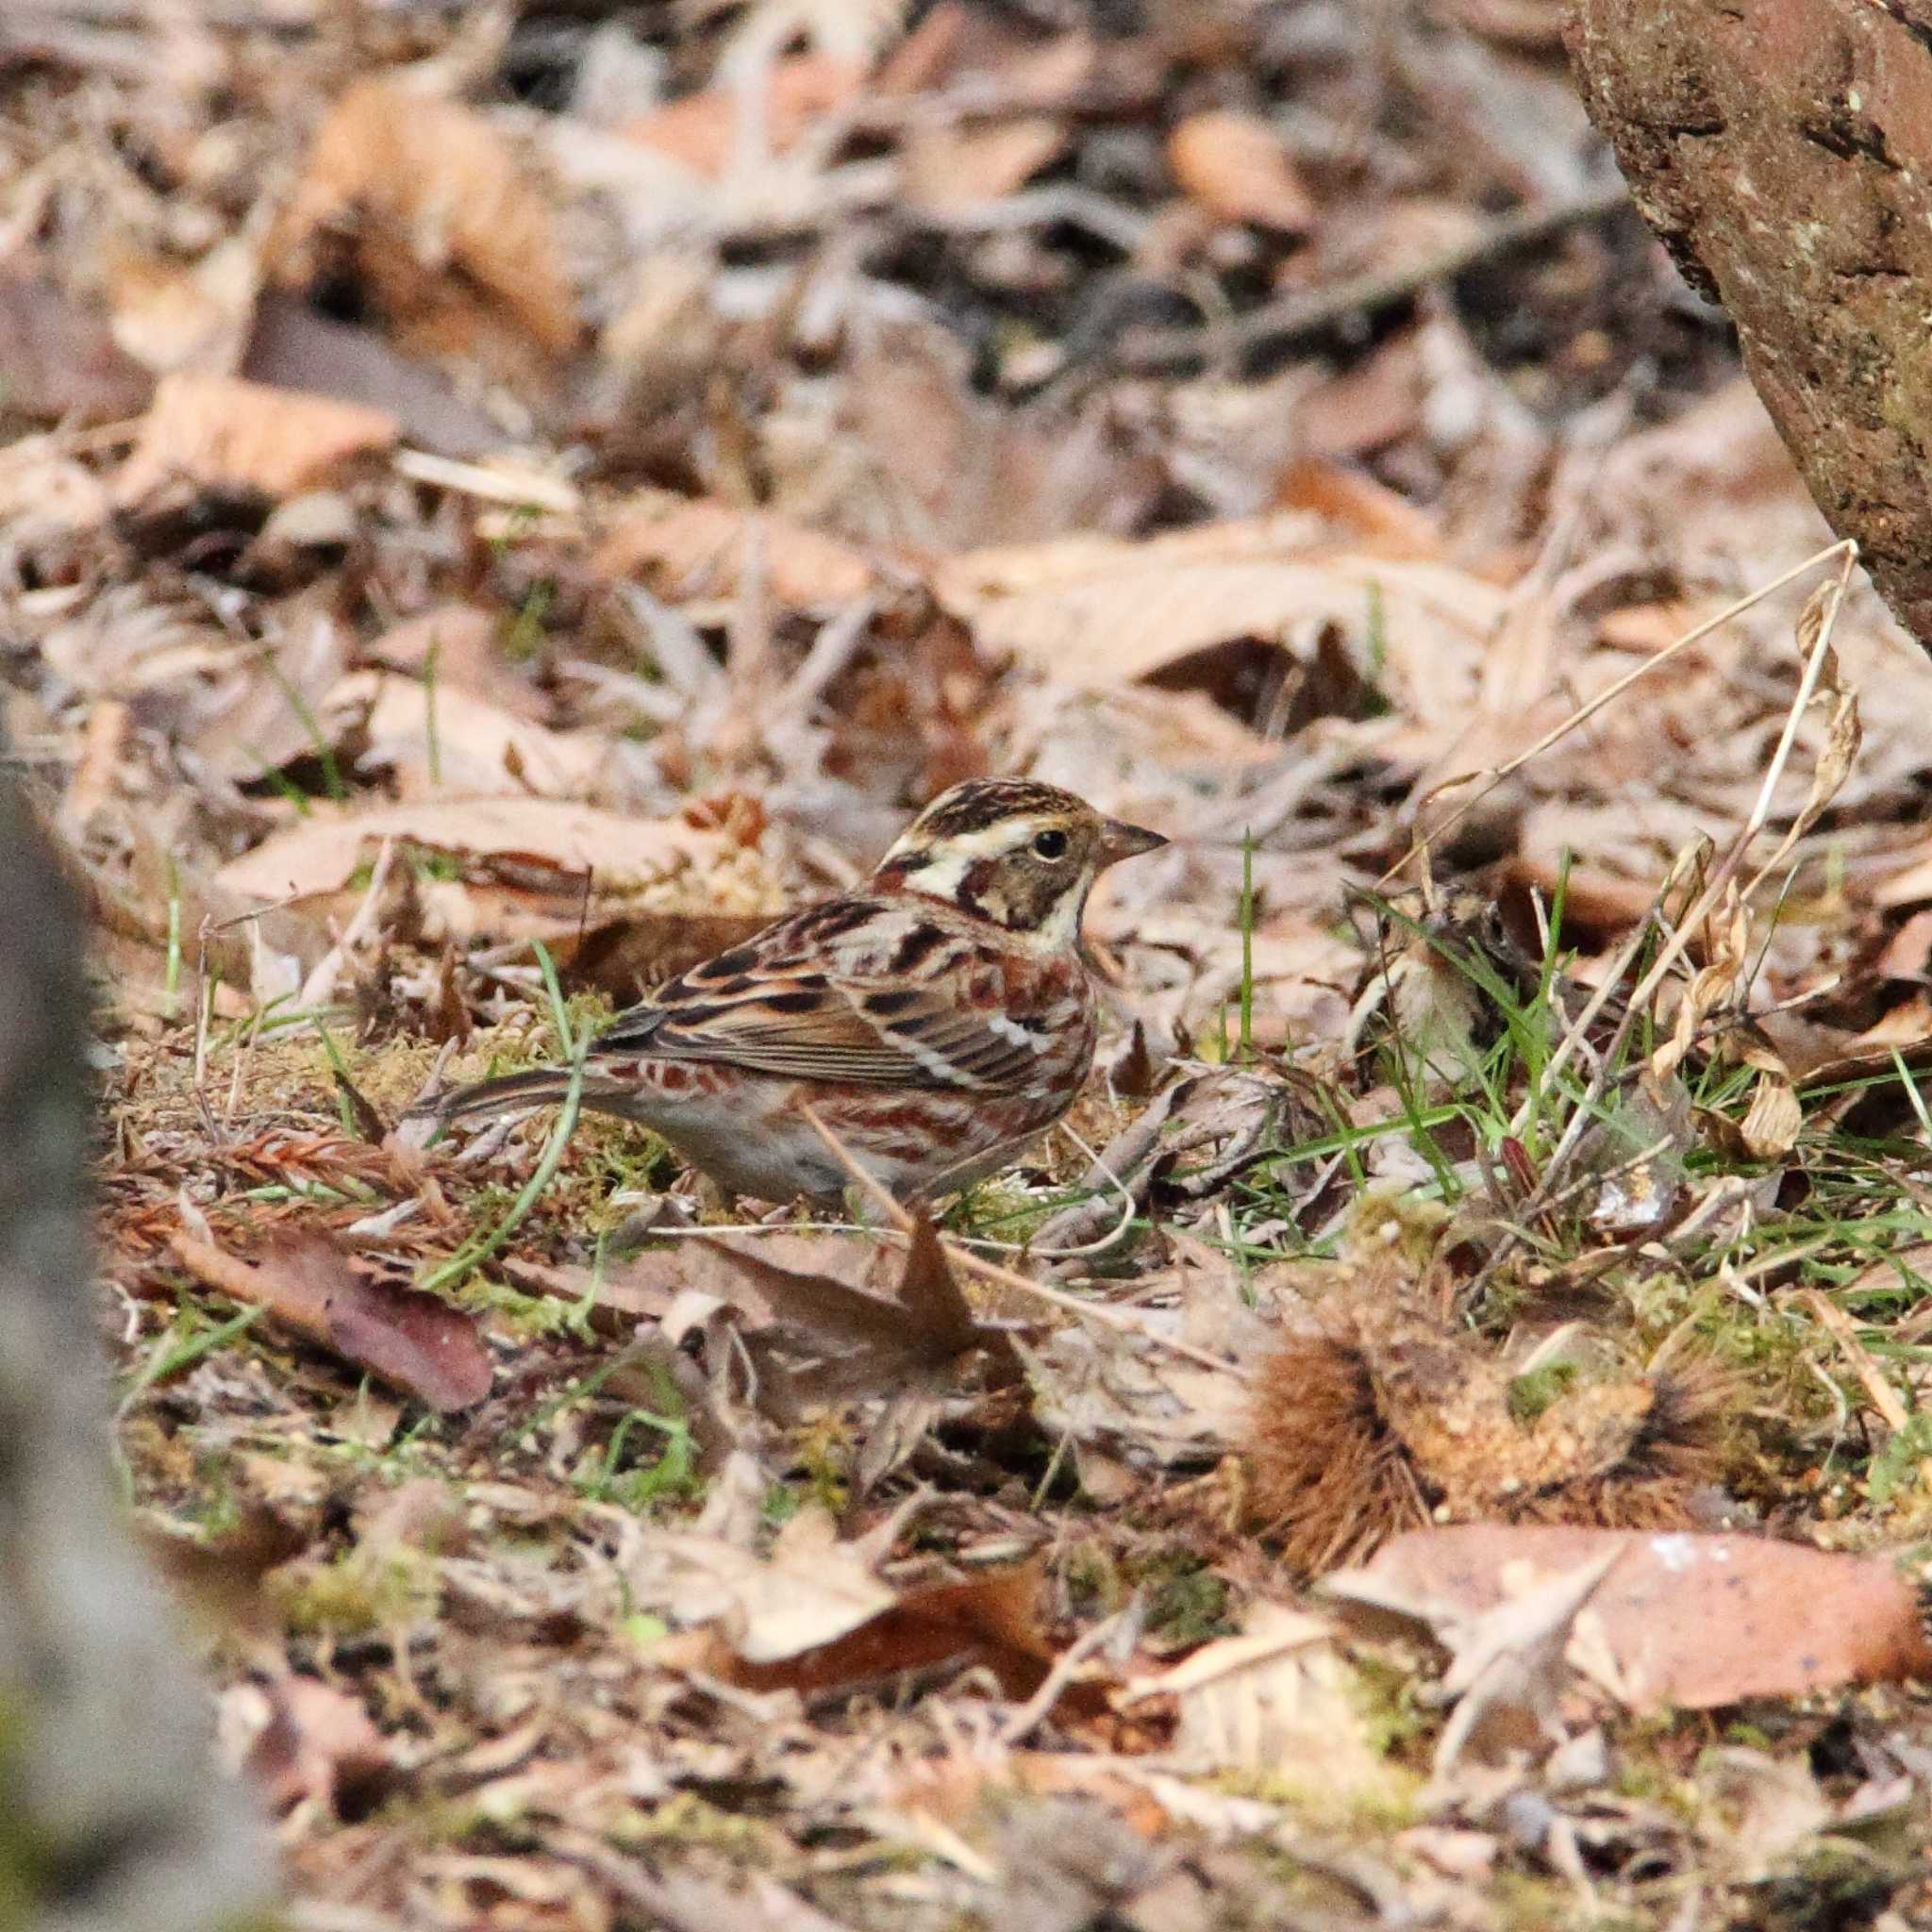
column 1021, row 853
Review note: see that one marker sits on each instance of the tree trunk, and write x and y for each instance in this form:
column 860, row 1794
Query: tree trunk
column 1783, row 151
column 112, row 1816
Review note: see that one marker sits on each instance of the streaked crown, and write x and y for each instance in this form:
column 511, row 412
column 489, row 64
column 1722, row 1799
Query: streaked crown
column 1019, row 853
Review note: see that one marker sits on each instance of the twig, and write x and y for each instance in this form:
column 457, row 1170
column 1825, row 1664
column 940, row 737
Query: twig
column 1042, row 1701
column 1732, row 861
column 1295, row 318
column 1842, row 1330
column 518, row 490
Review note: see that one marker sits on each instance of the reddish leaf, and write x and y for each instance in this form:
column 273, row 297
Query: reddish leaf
column 1691, row 1620
column 412, row 1341
column 987, row 1620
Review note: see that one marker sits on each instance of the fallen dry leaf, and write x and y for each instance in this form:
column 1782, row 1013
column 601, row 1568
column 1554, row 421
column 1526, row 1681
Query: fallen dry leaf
column 450, row 228
column 58, row 360
column 171, row 314
column 1235, row 166
column 1770, row 1130
column 949, row 167
column 716, row 130
column 447, row 741
column 1682, row 1619
column 300, row 1738
column 990, row 1620
column 461, row 645
column 261, row 706
column 217, row 432
column 811, row 1590
column 1099, row 611
column 1279, row 1699
column 847, row 1339
column 321, row 853
column 814, row 1616
column 704, row 549
column 292, row 346
column 418, row 1343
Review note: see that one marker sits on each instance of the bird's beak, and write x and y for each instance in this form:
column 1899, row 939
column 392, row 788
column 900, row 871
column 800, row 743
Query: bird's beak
column 1118, row 840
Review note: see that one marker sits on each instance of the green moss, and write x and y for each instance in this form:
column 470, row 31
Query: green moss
column 1385, row 1698
column 1188, row 1604
column 688, row 1821
column 825, row 1448
column 356, row 1594
column 1531, row 1395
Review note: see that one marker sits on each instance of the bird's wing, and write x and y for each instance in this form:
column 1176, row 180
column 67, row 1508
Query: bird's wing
column 866, row 990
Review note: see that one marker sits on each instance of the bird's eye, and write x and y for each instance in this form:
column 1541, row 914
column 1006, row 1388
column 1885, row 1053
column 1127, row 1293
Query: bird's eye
column 1050, row 844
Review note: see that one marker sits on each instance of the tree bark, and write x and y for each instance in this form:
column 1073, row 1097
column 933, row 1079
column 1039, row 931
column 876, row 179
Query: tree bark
column 1783, row 151
column 113, row 1816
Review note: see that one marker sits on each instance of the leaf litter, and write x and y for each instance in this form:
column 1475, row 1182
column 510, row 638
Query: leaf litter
column 520, row 478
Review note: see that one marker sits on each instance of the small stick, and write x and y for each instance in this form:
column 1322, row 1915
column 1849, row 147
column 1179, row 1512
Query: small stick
column 1297, row 317
column 1059, row 1678
column 525, row 488
column 1843, row 1330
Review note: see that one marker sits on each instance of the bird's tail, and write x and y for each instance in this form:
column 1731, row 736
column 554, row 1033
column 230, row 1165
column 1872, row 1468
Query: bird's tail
column 540, row 1087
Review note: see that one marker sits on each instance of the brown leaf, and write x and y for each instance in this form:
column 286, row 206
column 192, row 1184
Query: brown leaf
column 814, row 1617
column 293, row 347
column 709, row 131
column 448, row 742
column 1351, row 501
column 461, row 646
column 57, row 359
column 321, row 853
column 1234, row 165
column 450, row 226
column 811, row 1590
column 990, row 1619
column 215, row 432
column 701, row 549
column 977, row 472
column 1100, row 612
column 1375, row 402
column 310, row 1741
column 849, row 1340
column 1770, row 1129
column 416, row 1342
column 1684, row 1618
column 951, row 167
column 1508, row 1662
column 171, row 314
column 268, row 701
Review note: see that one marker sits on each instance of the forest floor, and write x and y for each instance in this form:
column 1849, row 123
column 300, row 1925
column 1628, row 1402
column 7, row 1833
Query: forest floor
column 498, row 501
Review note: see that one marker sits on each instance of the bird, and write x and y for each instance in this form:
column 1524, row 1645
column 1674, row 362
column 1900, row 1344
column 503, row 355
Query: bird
column 935, row 1019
